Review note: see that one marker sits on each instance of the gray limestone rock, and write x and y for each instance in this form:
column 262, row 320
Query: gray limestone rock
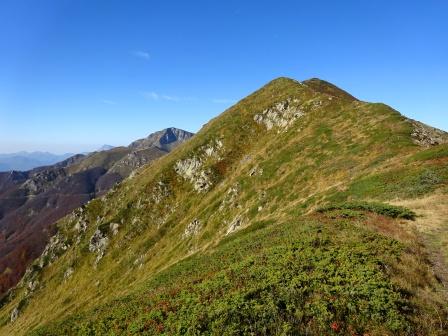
column 68, row 273
column 192, row 228
column 191, row 170
column 194, row 168
column 282, row 115
column 114, row 228
column 98, row 244
column 234, row 225
column 14, row 314
column 55, row 247
column 426, row 136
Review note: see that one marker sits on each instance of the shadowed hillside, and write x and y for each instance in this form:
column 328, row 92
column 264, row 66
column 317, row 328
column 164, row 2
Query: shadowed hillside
column 30, row 202
column 28, row 161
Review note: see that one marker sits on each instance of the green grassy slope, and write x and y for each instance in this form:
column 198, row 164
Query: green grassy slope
column 222, row 235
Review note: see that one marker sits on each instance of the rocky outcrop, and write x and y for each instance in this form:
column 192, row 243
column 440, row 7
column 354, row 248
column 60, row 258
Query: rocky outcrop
column 79, row 219
column 256, row 171
column 136, row 159
column 281, row 116
column 14, row 314
column 234, row 225
column 192, row 228
column 114, row 228
column 426, row 136
column 98, row 244
column 213, row 149
column 230, row 198
column 56, row 247
column 30, row 281
column 160, row 191
column 43, row 180
column 68, row 273
column 32, row 285
column 193, row 169
column 166, row 139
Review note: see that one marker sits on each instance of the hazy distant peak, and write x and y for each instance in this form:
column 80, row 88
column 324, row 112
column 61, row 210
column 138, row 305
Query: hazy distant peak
column 105, row 147
column 164, row 139
column 29, row 160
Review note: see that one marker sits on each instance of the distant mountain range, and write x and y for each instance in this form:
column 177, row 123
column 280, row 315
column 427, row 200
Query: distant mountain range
column 31, row 201
column 29, row 160
column 105, row 147
column 24, row 160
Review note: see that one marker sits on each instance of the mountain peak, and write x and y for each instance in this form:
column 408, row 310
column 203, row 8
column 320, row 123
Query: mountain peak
column 164, row 139
column 283, row 79
column 323, row 86
column 315, row 84
column 283, row 181
column 281, row 82
column 105, row 148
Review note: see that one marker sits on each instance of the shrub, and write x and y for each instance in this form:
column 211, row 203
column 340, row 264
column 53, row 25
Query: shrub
column 375, row 207
column 296, row 278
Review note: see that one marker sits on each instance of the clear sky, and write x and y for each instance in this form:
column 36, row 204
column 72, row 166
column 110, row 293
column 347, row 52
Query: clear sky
column 76, row 74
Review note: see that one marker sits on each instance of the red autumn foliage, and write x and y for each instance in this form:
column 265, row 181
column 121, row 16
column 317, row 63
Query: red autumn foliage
column 336, row 326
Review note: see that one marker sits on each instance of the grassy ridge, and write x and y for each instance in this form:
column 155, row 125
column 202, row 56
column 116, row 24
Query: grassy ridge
column 283, row 273
column 303, row 277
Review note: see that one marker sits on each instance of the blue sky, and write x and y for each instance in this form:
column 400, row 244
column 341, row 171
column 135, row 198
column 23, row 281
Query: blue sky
column 75, row 74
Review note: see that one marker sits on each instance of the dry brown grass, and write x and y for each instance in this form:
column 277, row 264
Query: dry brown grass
column 397, row 229
column 432, row 223
column 416, row 267
column 432, row 212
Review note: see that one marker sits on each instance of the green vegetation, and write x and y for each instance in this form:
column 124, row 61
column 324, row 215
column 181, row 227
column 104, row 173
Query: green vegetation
column 375, row 207
column 249, row 255
column 409, row 182
column 296, row 278
column 438, row 152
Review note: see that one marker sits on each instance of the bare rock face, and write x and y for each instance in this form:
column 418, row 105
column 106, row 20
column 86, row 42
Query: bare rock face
column 14, row 314
column 79, row 218
column 32, row 285
column 256, row 171
column 166, row 139
column 281, row 115
column 30, row 281
column 234, row 225
column 213, row 149
column 127, row 165
column 133, row 160
column 68, row 273
column 98, row 244
column 114, row 228
column 230, row 198
column 42, row 181
column 193, row 170
column 426, row 136
column 192, row 228
column 159, row 192
column 53, row 250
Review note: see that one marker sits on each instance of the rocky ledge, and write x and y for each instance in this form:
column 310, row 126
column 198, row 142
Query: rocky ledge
column 426, row 136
